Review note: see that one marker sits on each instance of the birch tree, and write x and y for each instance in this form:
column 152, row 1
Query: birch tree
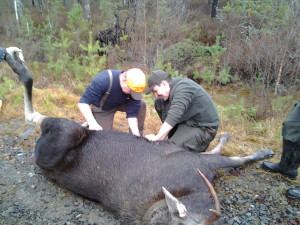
column 19, row 12
column 87, row 10
column 85, row 4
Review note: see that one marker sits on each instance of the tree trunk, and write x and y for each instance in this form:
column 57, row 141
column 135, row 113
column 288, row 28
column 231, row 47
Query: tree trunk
column 87, row 10
column 214, row 6
column 19, row 11
column 38, row 4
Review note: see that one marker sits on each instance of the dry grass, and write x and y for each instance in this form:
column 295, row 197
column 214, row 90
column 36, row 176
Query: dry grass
column 51, row 102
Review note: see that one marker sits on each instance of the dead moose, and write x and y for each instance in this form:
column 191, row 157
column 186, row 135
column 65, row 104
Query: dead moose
column 140, row 181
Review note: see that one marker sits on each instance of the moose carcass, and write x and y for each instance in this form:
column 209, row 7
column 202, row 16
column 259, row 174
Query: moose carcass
column 142, row 182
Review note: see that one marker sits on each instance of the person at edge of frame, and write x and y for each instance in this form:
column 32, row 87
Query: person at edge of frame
column 290, row 157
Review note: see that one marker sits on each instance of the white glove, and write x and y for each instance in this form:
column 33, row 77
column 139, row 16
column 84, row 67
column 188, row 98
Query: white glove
column 15, row 52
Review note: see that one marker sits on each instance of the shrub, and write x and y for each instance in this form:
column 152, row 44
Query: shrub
column 199, row 62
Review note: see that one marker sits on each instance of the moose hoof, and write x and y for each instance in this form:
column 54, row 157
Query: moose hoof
column 225, row 138
column 263, row 154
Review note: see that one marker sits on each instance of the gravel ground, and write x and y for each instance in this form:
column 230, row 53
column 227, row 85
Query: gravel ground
column 248, row 195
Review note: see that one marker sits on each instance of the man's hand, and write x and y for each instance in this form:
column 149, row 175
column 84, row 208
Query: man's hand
column 95, row 126
column 16, row 52
column 151, row 137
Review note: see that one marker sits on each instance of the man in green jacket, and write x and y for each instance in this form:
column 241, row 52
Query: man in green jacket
column 190, row 118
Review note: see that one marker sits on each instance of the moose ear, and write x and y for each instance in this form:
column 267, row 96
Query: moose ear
column 175, row 206
column 80, row 135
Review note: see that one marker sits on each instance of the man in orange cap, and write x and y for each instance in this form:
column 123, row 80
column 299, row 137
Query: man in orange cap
column 111, row 91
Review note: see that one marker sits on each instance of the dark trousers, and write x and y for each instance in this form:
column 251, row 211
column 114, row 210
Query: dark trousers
column 106, row 118
column 290, row 158
column 191, row 138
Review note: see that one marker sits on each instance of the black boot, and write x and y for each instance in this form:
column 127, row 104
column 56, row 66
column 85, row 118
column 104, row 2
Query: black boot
column 289, row 163
column 293, row 193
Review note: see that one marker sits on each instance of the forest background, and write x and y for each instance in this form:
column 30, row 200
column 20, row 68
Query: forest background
column 246, row 53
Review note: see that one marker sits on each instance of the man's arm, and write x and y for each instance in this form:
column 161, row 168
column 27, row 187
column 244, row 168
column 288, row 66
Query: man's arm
column 133, row 124
column 162, row 133
column 88, row 115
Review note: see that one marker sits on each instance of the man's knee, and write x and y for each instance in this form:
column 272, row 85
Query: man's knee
column 194, row 139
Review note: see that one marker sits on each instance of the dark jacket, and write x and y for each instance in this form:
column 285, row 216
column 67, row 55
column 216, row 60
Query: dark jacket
column 189, row 103
column 100, row 84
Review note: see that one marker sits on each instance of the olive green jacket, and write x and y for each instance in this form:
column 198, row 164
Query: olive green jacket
column 189, row 103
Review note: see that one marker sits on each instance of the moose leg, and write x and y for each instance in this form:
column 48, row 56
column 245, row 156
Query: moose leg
column 256, row 156
column 31, row 116
column 217, row 150
column 236, row 161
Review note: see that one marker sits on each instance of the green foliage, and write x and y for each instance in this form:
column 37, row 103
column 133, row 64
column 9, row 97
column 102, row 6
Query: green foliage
column 264, row 13
column 59, row 58
column 107, row 9
column 182, row 53
column 206, row 76
column 91, row 62
column 49, row 102
column 18, row 100
column 56, row 16
column 77, row 29
column 237, row 109
column 64, row 55
column 76, row 21
column 124, row 37
column 164, row 13
column 34, row 35
column 87, row 63
column 172, row 72
column 79, row 88
column 224, row 76
column 159, row 65
column 6, row 86
column 187, row 54
column 282, row 104
column 211, row 57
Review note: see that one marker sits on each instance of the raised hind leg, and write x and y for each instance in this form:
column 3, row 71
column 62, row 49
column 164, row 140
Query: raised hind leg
column 218, row 149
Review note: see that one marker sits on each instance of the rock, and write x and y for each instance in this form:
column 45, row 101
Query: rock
column 25, row 134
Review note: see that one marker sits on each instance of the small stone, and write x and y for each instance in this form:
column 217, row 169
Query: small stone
column 31, row 174
column 76, row 203
column 25, row 134
column 16, row 203
column 78, row 216
column 289, row 211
